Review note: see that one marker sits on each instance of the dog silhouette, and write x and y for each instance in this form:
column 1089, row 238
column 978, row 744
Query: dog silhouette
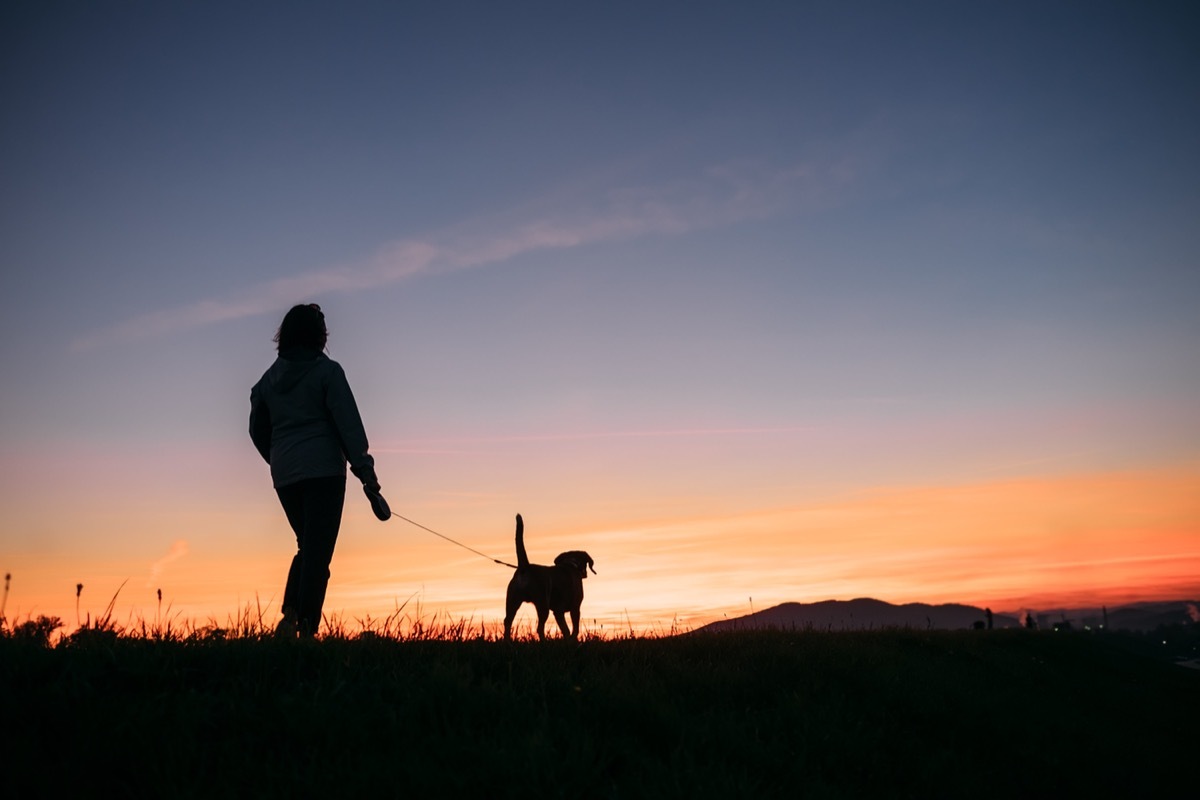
column 557, row 588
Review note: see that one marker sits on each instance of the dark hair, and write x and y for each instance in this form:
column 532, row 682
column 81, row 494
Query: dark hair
column 303, row 326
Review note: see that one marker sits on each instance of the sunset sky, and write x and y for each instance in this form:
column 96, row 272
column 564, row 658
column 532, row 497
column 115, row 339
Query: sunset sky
column 755, row 302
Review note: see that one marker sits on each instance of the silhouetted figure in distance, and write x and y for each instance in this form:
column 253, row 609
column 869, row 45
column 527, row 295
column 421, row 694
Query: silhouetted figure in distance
column 305, row 423
column 988, row 612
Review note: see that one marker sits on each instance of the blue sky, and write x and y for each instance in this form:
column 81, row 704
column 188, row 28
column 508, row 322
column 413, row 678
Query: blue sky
column 628, row 254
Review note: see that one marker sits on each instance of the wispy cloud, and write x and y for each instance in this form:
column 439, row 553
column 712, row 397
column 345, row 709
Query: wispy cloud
column 719, row 196
column 179, row 549
column 391, row 264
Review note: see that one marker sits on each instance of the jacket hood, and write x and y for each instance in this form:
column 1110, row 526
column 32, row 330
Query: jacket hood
column 291, row 367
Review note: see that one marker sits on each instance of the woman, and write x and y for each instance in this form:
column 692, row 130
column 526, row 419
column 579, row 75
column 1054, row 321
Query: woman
column 305, row 423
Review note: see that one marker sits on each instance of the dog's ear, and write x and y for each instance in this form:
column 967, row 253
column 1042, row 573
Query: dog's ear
column 574, row 560
column 591, row 565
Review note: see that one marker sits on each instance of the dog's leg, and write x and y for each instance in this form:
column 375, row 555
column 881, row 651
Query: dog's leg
column 574, row 623
column 561, row 619
column 543, row 615
column 512, row 604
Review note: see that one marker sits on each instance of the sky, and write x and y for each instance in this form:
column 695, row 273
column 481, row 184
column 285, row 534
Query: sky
column 755, row 302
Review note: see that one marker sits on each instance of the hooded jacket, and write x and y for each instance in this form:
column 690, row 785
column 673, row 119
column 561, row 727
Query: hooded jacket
column 304, row 421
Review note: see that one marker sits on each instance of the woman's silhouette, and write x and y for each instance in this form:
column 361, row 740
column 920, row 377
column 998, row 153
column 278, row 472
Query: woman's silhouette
column 305, row 423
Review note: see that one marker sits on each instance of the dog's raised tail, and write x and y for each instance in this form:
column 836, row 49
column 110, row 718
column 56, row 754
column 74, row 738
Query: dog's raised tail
column 522, row 558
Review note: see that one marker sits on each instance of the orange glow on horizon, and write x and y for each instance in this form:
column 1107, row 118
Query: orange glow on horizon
column 1045, row 542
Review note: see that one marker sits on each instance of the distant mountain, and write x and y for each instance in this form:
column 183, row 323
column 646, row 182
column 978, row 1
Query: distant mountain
column 861, row 614
column 866, row 613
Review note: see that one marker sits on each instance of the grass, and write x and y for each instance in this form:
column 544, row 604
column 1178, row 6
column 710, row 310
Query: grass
column 208, row 711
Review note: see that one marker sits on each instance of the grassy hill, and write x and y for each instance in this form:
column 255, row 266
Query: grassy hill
column 893, row 713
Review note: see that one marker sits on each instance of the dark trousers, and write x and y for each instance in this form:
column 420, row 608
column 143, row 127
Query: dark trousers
column 314, row 510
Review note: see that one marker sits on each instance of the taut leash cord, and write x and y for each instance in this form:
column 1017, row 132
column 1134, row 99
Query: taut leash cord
column 383, row 512
column 453, row 541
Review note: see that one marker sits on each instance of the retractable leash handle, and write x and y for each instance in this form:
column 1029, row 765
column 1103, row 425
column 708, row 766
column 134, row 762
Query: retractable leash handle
column 383, row 511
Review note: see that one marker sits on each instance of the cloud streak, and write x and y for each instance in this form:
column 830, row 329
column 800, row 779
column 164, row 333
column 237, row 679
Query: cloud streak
column 179, row 549
column 720, row 196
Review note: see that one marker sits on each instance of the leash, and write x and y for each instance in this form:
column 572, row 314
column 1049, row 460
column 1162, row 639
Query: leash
column 453, row 541
column 383, row 512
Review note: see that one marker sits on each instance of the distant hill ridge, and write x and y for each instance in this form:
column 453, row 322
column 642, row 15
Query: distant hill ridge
column 860, row 614
column 866, row 613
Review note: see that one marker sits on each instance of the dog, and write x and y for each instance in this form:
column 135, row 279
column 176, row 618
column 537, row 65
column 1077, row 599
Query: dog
column 558, row 588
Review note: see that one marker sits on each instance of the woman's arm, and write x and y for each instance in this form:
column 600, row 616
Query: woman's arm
column 348, row 423
column 260, row 425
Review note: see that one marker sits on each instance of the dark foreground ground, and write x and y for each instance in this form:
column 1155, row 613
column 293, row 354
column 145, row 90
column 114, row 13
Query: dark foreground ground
column 804, row 714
